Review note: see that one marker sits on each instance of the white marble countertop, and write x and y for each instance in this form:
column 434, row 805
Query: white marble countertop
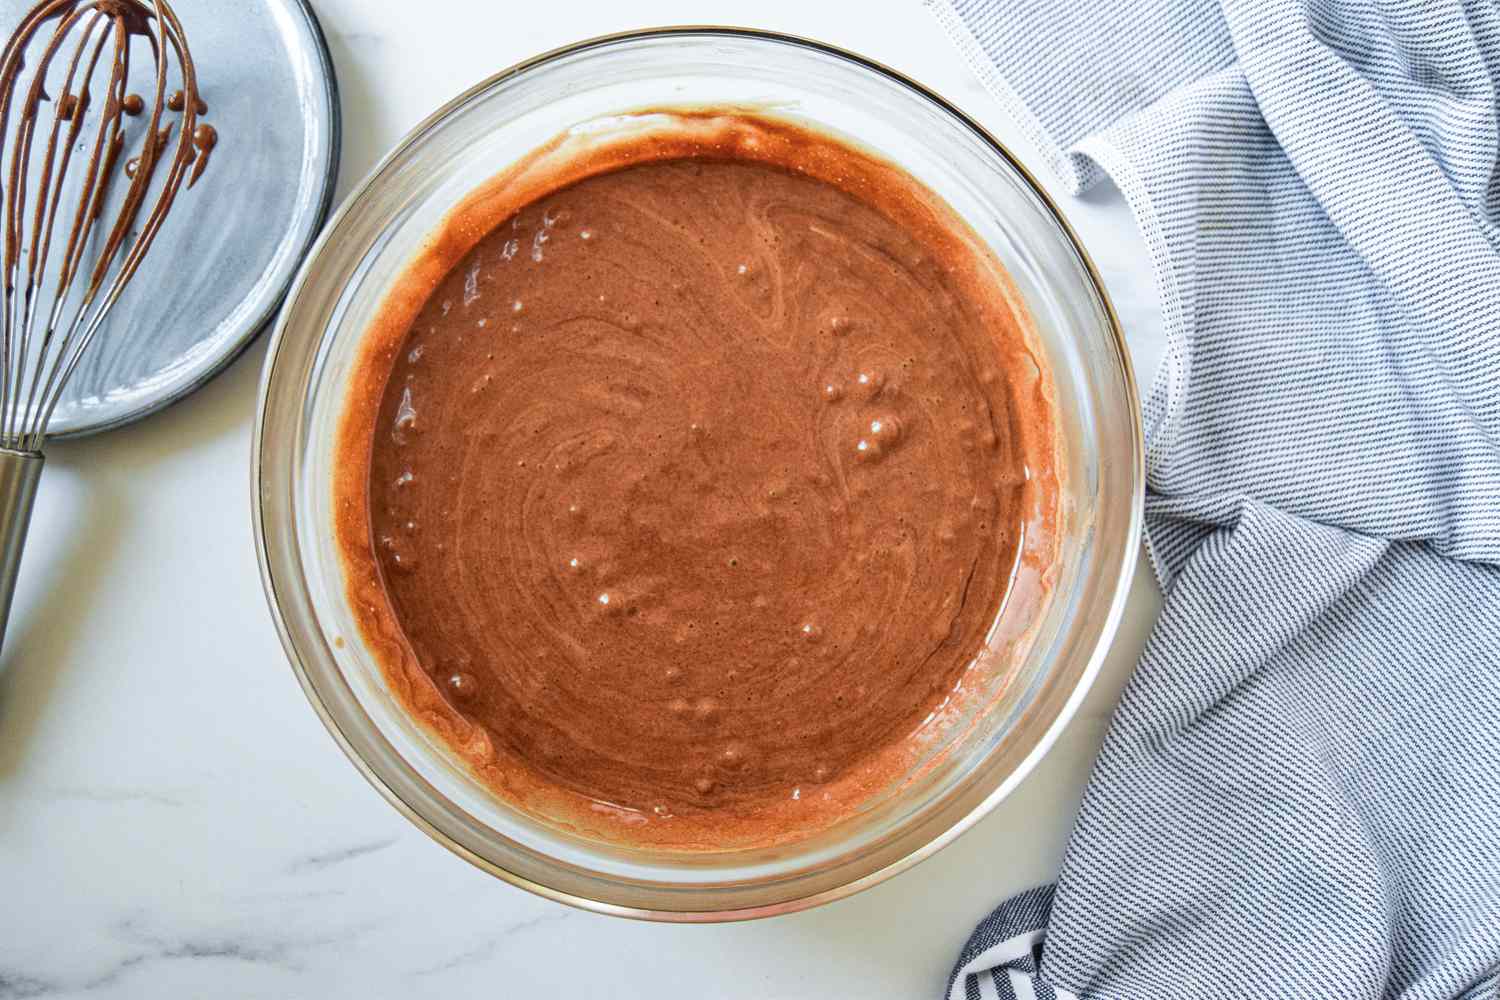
column 174, row 821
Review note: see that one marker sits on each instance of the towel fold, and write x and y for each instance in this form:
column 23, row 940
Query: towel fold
column 1300, row 792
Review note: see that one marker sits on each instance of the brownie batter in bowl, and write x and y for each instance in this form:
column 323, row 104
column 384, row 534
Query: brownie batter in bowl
column 820, row 391
column 689, row 480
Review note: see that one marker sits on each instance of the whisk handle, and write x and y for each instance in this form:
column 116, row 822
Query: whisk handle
column 20, row 471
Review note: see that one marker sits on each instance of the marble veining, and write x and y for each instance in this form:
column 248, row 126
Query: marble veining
column 327, row 859
column 487, row 949
column 140, row 947
column 113, row 796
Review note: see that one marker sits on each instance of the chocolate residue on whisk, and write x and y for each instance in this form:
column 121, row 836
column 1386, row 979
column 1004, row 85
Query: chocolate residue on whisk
column 52, row 247
column 132, row 16
column 205, row 138
column 111, row 157
column 178, row 101
column 151, row 155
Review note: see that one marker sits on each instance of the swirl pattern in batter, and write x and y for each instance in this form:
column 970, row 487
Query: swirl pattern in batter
column 696, row 485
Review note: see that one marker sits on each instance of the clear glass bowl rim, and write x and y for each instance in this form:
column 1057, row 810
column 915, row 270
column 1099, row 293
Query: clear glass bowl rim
column 1125, row 572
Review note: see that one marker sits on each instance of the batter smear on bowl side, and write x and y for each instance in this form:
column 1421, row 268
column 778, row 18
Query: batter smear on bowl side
column 687, row 480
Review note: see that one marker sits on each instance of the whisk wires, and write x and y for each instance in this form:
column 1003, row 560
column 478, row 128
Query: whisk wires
column 50, row 315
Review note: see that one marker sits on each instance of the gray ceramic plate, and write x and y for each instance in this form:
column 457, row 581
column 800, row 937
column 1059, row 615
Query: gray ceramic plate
column 228, row 252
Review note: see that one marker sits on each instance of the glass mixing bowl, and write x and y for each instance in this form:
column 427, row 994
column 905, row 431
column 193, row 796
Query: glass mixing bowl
column 380, row 228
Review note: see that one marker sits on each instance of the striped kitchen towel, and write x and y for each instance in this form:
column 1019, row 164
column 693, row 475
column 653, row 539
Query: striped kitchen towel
column 1300, row 793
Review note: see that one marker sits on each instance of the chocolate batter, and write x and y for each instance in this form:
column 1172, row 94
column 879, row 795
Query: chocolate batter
column 697, row 484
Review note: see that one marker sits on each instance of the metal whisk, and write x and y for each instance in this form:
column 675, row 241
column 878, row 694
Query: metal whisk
column 79, row 212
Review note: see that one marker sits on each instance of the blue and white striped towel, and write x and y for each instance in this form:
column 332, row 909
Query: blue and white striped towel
column 1300, row 793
